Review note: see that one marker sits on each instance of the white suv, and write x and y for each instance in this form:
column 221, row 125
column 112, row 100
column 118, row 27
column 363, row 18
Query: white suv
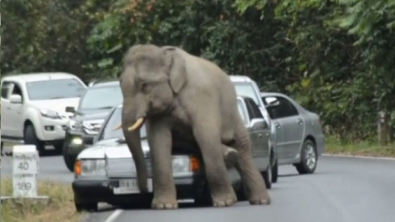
column 33, row 107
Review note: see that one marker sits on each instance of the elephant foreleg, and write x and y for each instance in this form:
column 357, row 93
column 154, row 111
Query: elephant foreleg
column 159, row 139
column 222, row 192
column 256, row 190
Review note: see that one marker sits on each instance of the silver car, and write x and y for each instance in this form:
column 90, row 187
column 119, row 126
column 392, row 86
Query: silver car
column 105, row 172
column 299, row 138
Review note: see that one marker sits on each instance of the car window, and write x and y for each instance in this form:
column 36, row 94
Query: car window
column 251, row 110
column 242, row 111
column 284, row 109
column 115, row 119
column 246, row 89
column 101, row 97
column 5, row 88
column 54, row 89
column 17, row 90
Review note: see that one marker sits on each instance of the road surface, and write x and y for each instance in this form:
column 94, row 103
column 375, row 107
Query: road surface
column 341, row 190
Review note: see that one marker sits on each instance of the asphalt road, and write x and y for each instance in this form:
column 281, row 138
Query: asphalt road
column 341, row 190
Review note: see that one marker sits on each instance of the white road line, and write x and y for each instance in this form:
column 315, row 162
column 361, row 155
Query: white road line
column 361, row 157
column 114, row 216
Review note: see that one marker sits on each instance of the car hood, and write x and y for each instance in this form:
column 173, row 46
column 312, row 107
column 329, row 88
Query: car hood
column 110, row 148
column 58, row 105
column 91, row 114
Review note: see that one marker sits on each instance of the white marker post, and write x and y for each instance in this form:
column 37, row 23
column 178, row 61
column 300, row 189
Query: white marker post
column 25, row 171
column 24, row 175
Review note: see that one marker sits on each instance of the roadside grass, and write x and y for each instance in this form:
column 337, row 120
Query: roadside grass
column 364, row 148
column 60, row 208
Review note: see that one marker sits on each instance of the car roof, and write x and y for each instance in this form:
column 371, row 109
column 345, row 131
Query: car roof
column 31, row 77
column 240, row 78
column 273, row 94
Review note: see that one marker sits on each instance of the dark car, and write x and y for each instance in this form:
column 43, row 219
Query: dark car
column 96, row 103
column 105, row 172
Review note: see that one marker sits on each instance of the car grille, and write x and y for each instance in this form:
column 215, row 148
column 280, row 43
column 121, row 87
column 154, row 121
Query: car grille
column 124, row 167
column 92, row 127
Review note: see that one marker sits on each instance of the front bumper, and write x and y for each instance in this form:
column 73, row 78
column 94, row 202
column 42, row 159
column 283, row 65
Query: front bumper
column 48, row 129
column 94, row 191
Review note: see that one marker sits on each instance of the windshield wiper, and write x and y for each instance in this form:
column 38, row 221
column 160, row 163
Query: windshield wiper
column 105, row 107
column 121, row 140
column 58, row 97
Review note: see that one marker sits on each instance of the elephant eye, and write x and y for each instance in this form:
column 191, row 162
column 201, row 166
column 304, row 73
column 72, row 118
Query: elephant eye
column 144, row 87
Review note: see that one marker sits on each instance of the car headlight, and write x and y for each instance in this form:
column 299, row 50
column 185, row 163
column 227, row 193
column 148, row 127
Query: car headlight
column 77, row 140
column 182, row 164
column 50, row 114
column 75, row 125
column 93, row 167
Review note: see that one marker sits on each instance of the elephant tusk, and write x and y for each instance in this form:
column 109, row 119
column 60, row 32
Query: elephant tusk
column 119, row 126
column 137, row 124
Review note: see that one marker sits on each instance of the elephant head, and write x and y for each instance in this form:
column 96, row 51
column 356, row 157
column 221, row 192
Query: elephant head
column 152, row 76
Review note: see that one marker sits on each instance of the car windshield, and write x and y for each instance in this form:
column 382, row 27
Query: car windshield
column 115, row 119
column 101, row 98
column 246, row 89
column 55, row 89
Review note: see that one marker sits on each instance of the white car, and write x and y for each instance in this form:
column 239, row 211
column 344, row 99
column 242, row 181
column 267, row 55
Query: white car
column 33, row 107
column 105, row 172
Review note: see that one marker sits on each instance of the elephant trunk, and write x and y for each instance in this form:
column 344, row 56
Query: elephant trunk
column 133, row 140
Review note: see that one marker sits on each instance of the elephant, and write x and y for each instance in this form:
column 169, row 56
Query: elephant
column 182, row 97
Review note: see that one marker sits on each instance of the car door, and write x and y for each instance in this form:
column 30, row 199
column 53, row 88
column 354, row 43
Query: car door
column 16, row 112
column 259, row 138
column 5, row 108
column 279, row 134
column 292, row 125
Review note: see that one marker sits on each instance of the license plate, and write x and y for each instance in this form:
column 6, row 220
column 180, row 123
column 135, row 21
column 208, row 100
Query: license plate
column 130, row 186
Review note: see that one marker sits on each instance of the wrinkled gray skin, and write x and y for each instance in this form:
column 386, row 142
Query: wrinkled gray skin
column 184, row 98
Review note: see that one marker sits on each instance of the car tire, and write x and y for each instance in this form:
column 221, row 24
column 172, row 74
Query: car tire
column 59, row 147
column 2, row 144
column 308, row 162
column 69, row 160
column 89, row 207
column 275, row 171
column 30, row 137
column 267, row 176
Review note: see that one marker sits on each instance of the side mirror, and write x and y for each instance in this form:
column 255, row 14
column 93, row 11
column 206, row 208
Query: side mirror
column 16, row 98
column 258, row 124
column 271, row 101
column 70, row 109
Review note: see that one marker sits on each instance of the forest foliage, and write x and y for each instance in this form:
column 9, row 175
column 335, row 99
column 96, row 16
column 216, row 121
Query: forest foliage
column 335, row 57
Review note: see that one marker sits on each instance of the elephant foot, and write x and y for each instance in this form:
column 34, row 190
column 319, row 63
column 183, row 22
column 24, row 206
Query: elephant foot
column 225, row 200
column 162, row 203
column 261, row 198
column 230, row 157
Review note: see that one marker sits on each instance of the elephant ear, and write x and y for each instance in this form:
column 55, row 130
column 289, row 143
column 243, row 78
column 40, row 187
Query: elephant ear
column 176, row 68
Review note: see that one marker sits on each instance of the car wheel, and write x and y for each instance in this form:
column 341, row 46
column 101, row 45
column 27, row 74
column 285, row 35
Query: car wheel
column 89, row 207
column 2, row 148
column 30, row 137
column 275, row 171
column 308, row 162
column 267, row 176
column 69, row 160
column 59, row 147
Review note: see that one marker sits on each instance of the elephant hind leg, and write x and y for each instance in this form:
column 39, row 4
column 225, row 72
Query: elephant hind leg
column 252, row 179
